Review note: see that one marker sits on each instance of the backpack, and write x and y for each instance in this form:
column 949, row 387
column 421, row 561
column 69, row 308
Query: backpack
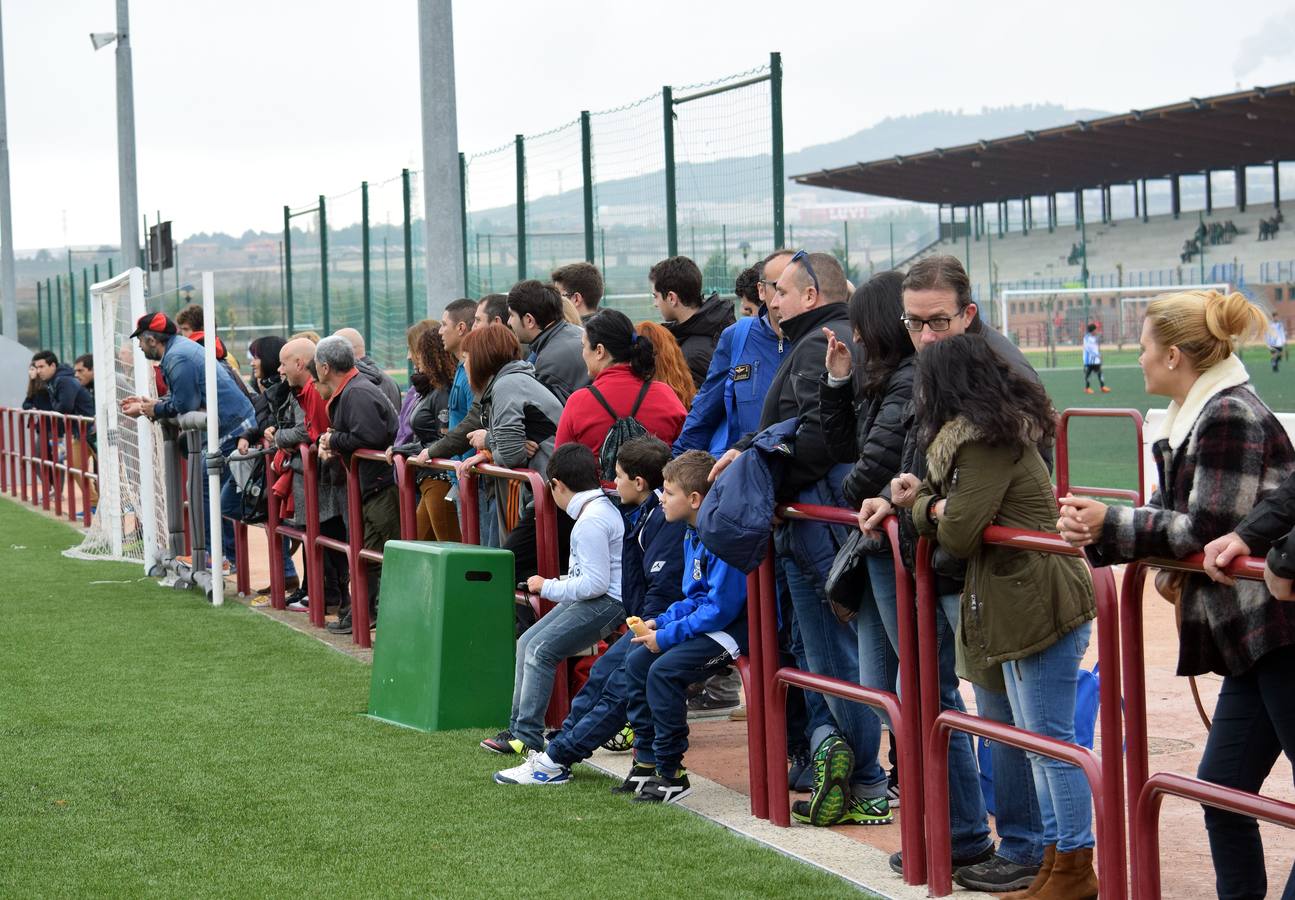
column 624, row 428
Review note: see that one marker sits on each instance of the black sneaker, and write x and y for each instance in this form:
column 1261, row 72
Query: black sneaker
column 897, row 861
column 664, row 789
column 503, row 743
column 634, row 781
column 341, row 626
column 800, row 775
column 705, row 705
column 996, row 875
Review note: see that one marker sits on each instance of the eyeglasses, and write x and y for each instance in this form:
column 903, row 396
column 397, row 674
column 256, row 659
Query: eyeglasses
column 567, row 295
column 802, row 257
column 936, row 323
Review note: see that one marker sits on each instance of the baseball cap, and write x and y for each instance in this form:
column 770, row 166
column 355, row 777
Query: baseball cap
column 155, row 321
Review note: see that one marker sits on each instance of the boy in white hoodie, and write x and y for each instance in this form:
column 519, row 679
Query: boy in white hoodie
column 588, row 597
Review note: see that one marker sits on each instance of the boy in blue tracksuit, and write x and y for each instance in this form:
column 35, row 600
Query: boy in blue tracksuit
column 651, row 572
column 695, row 637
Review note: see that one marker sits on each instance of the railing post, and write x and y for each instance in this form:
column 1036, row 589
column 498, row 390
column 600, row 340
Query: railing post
column 359, row 565
column 67, row 468
column 314, row 554
column 408, row 495
column 275, row 553
column 756, row 704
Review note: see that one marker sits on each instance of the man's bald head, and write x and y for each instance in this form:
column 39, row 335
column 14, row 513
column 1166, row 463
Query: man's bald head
column 354, row 338
column 294, row 361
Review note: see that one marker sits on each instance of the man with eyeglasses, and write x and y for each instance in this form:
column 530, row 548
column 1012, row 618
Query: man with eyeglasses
column 938, row 305
column 582, row 284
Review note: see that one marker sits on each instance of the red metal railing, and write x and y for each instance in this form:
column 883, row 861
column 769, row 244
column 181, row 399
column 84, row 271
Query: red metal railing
column 903, row 715
column 1102, row 771
column 1064, row 486
column 30, row 440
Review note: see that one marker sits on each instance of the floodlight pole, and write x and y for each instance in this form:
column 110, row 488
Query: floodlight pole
column 129, row 194
column 442, row 188
column 8, row 285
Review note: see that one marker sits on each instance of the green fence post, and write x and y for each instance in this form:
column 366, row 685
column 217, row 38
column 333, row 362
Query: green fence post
column 287, row 266
column 40, row 316
column 463, row 225
column 408, row 233
column 323, row 264
column 49, row 305
column 602, row 247
column 723, row 231
column 71, row 302
column 58, row 293
column 364, row 253
column 85, row 312
column 110, row 267
column 845, row 229
column 520, row 143
column 892, row 243
column 587, row 172
column 775, row 109
column 671, row 212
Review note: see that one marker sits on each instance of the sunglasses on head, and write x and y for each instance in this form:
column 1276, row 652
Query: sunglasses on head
column 802, row 257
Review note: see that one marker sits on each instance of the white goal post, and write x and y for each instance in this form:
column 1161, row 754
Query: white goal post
column 1136, row 294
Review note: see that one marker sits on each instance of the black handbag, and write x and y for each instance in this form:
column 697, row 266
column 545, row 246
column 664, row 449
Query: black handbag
column 848, row 578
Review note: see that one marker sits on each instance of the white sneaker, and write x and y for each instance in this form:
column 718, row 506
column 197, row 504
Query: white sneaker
column 299, row 605
column 538, row 769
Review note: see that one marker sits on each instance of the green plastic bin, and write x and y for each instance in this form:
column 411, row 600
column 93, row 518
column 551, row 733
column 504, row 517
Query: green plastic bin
column 443, row 658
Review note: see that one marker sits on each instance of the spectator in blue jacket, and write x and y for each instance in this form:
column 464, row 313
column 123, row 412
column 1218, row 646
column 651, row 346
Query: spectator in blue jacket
column 728, row 403
column 651, row 573
column 695, row 637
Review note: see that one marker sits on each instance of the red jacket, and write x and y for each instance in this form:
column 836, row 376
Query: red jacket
column 585, row 420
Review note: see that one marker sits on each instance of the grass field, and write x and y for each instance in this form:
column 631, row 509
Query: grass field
column 154, row 745
column 1103, row 451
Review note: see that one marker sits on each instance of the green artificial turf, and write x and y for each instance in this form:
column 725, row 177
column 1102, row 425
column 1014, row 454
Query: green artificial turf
column 153, row 745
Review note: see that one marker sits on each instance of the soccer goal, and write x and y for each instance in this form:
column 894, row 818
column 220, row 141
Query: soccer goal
column 1052, row 316
column 132, row 497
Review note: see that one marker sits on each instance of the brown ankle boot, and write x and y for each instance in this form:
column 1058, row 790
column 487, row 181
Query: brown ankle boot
column 1049, row 859
column 1072, row 877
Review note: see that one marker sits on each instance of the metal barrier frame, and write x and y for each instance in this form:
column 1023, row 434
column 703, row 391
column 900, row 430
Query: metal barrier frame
column 904, row 716
column 1064, row 486
column 25, row 435
column 1104, row 771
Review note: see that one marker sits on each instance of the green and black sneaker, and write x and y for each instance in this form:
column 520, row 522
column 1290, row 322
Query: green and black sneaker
column 634, row 781
column 867, row 811
column 833, row 763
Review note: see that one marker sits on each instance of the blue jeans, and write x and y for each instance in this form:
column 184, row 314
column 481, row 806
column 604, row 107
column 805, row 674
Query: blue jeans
column 656, row 688
column 1041, row 690
column 1254, row 722
column 1016, row 815
column 832, row 649
column 597, row 711
column 565, row 631
column 487, row 514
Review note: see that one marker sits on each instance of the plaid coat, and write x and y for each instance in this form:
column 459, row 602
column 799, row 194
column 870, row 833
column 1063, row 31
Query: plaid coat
column 1235, row 454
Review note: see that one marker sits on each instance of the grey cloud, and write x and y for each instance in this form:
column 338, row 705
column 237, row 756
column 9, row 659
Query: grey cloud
column 1275, row 40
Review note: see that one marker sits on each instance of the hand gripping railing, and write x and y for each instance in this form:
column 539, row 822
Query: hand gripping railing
column 1064, row 486
column 1147, row 791
column 904, row 719
column 1103, row 770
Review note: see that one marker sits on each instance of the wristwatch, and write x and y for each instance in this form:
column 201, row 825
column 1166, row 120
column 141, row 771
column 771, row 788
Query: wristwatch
column 930, row 511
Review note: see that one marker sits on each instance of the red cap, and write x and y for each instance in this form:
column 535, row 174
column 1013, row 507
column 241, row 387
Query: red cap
column 158, row 322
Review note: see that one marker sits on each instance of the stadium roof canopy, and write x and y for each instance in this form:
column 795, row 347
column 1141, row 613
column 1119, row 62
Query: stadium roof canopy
column 1255, row 127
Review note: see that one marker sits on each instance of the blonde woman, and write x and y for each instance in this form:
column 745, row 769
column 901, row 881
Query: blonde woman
column 1219, row 452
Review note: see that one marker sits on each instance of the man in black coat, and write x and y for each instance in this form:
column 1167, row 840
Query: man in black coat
column 696, row 325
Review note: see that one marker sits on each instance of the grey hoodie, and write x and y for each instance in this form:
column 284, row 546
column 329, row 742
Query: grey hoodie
column 516, row 407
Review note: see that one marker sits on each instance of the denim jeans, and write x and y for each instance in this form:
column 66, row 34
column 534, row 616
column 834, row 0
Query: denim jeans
column 656, row 688
column 1254, row 722
column 1016, row 815
column 1041, row 690
column 597, row 711
column 487, row 514
column 565, row 631
column 833, row 649
column 810, row 713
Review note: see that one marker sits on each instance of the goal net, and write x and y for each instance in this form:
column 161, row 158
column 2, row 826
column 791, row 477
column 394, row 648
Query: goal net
column 132, row 497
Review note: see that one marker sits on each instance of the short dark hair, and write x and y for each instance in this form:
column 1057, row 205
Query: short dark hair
column 615, row 332
column 1092, row 326
column 644, row 457
column 690, row 471
column 581, row 278
column 534, row 298
column 191, row 315
column 496, row 307
column 461, row 310
column 940, row 273
column 746, row 285
column 45, row 356
column 85, row 360
column 575, row 466
column 680, row 275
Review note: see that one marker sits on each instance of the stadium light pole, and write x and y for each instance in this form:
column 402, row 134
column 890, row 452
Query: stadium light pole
column 8, row 284
column 442, row 190
column 129, row 195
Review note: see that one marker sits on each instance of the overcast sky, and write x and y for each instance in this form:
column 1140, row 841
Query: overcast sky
column 243, row 106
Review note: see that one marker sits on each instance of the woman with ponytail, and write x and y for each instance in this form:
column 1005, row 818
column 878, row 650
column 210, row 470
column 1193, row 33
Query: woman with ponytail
column 622, row 365
column 1220, row 451
column 671, row 367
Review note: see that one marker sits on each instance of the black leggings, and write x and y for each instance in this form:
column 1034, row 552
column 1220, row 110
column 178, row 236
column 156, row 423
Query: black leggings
column 1089, row 371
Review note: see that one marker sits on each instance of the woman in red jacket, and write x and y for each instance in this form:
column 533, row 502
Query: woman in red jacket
column 621, row 363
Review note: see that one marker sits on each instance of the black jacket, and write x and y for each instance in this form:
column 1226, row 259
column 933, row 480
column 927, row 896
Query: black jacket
column 794, row 393
column 651, row 561
column 384, row 382
column 697, row 337
column 66, row 395
column 1268, row 529
column 362, row 419
column 870, row 432
column 430, row 420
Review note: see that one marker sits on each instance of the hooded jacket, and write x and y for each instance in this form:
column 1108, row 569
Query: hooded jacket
column 698, row 336
column 184, row 370
column 362, row 419
column 380, row 379
column 651, row 560
column 67, row 395
column 596, row 543
column 728, row 403
column 556, row 354
column 516, row 408
column 713, row 604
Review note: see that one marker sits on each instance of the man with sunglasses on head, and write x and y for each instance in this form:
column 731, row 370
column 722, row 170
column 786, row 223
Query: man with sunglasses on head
column 938, row 305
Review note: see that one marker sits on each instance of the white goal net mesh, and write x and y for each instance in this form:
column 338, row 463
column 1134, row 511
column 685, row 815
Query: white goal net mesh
column 132, row 497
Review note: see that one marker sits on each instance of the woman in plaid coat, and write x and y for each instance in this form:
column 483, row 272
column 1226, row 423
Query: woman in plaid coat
column 1219, row 453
